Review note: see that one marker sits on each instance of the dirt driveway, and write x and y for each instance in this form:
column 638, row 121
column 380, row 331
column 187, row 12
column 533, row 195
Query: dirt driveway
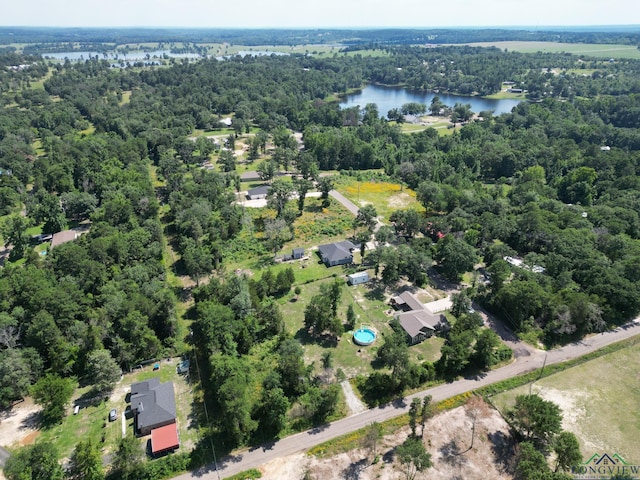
column 18, row 424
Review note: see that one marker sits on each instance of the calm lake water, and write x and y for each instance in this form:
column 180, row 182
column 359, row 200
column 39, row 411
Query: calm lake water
column 387, row 98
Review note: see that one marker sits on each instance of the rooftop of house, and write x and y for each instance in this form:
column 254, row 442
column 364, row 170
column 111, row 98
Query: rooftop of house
column 337, row 250
column 416, row 321
column 409, row 300
column 261, row 190
column 164, row 438
column 63, row 237
column 153, row 401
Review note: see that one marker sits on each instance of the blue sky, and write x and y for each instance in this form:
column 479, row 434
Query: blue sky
column 318, row 13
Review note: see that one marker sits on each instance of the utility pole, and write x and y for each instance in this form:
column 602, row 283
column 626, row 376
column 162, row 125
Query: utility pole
column 206, row 413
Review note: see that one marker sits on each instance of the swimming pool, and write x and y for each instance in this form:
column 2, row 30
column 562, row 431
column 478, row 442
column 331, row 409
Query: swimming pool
column 364, row 336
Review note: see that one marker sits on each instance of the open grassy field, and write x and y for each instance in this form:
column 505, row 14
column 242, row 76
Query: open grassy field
column 385, row 196
column 599, row 401
column 587, row 49
column 443, row 127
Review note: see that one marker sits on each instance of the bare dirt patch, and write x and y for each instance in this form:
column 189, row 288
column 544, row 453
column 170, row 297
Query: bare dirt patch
column 19, row 424
column 400, row 200
column 447, row 437
column 353, row 402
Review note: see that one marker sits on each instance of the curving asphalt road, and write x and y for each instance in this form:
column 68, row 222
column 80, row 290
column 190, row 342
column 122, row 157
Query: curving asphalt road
column 528, row 360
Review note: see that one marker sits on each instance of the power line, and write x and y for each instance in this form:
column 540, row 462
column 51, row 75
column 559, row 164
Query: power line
column 206, row 413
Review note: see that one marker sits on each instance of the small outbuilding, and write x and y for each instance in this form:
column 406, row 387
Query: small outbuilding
column 358, row 278
column 297, row 253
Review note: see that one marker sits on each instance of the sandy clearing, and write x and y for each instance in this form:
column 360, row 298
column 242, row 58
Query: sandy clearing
column 18, row 423
column 447, row 437
column 400, row 200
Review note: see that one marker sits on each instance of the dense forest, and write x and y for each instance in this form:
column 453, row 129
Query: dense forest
column 554, row 182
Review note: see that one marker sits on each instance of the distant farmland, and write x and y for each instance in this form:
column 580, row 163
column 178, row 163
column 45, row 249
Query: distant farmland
column 587, row 49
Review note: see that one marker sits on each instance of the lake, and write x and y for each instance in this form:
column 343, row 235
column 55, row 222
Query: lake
column 388, row 98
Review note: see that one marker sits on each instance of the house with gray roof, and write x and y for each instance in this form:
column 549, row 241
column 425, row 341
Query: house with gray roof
column 420, row 324
column 258, row 192
column 339, row 253
column 153, row 404
column 415, row 318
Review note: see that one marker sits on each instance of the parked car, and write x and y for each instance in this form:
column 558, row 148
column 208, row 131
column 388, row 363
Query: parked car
column 113, row 414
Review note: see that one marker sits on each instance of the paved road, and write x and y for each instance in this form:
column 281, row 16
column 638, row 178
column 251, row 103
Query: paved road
column 534, row 359
column 352, row 207
column 348, row 204
column 4, row 456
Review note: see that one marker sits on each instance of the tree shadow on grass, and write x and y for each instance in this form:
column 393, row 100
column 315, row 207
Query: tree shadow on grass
column 91, row 398
column 376, row 291
column 324, row 340
column 312, row 207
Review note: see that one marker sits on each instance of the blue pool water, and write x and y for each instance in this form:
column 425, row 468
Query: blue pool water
column 364, row 336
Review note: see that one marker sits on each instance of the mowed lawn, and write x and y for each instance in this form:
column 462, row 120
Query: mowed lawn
column 600, row 402
column 587, row 49
column 371, row 308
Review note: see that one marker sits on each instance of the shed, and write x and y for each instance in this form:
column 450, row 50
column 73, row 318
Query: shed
column 358, row 278
column 297, row 253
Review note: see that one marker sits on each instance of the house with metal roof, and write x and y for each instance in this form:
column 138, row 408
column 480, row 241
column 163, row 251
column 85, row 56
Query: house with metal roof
column 164, row 439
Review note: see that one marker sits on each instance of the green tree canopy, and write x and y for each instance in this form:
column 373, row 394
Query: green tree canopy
column 102, row 370
column 85, row 462
column 34, row 462
column 412, row 457
column 455, row 257
column 538, row 420
column 53, row 393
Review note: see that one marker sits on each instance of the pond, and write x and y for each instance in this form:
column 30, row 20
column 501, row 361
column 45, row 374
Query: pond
column 387, row 98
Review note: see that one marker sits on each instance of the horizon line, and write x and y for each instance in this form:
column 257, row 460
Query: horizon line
column 355, row 27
